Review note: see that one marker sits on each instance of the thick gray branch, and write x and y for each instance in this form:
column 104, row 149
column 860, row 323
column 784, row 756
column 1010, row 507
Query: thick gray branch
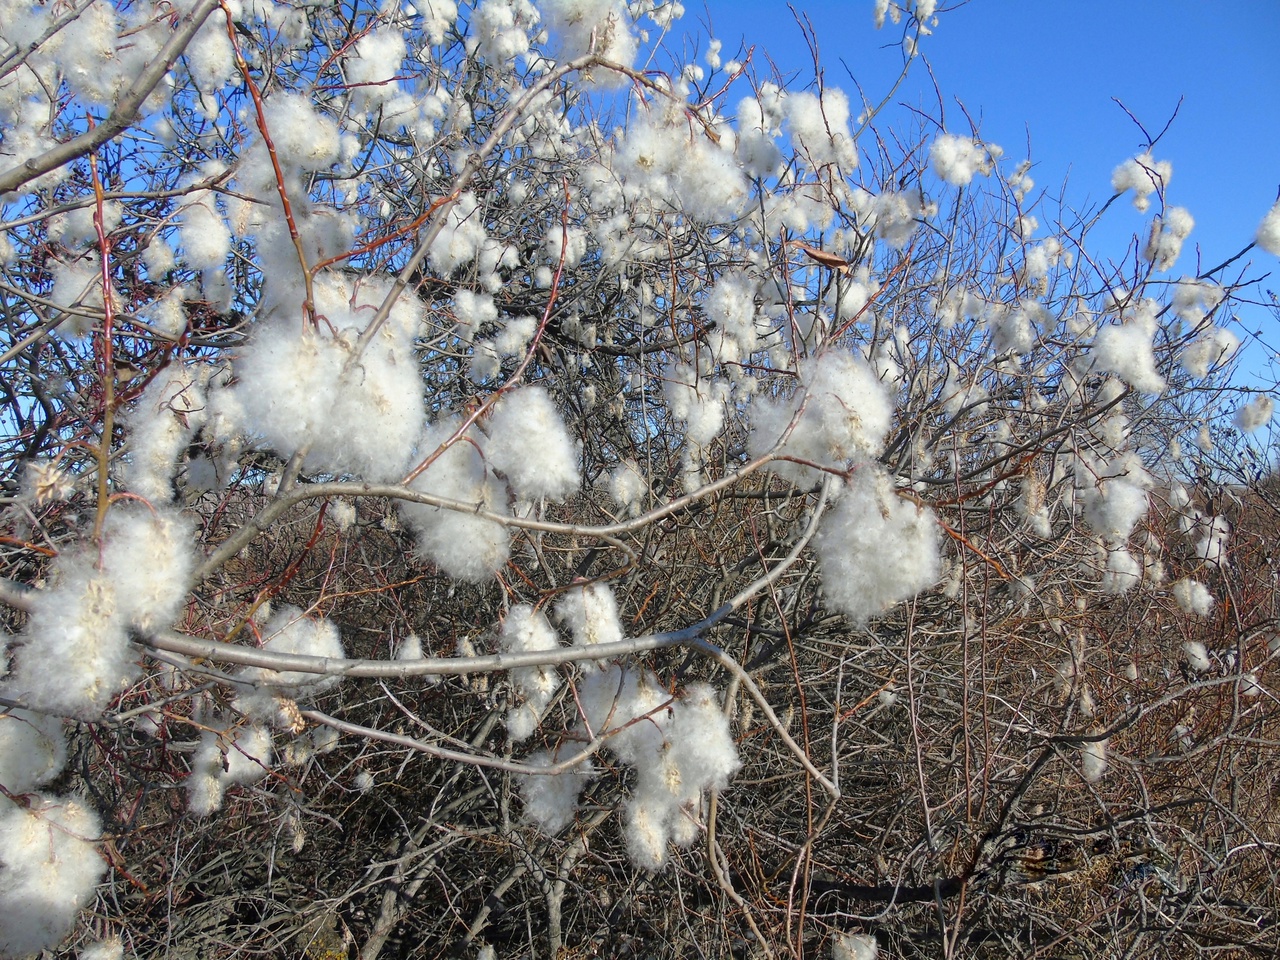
column 122, row 117
column 431, row 666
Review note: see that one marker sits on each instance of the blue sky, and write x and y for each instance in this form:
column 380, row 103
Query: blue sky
column 1044, row 72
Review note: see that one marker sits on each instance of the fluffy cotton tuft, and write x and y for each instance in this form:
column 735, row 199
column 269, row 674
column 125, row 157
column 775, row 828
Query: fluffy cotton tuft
column 410, row 648
column 700, row 741
column 211, row 61
column 290, row 631
column 437, row 17
column 88, row 51
column 1193, row 298
column 647, row 834
column 575, row 24
column 847, row 414
column 111, row 948
column 1212, row 347
column 240, row 756
column 33, row 750
column 528, row 443
column 820, row 128
column 75, row 653
column 44, row 482
column 731, row 306
column 958, row 160
column 473, row 311
column 1193, row 596
column 696, row 754
column 679, row 750
column 1144, row 175
column 342, row 513
column 161, row 425
column 1268, row 235
column 629, row 707
column 590, row 612
column 300, row 388
column 1013, row 330
column 147, row 555
column 1164, row 245
column 551, row 800
column 1255, row 414
column 1197, row 656
column 876, row 549
column 500, row 29
column 857, row 946
column 460, row 543
column 1125, row 350
column 49, row 868
column 461, row 238
column 1123, row 572
column 1093, row 760
column 304, row 138
column 526, row 630
column 168, row 315
column 698, row 400
column 205, row 239
column 374, row 61
column 1113, row 494
column 627, row 485
column 1211, row 547
column 759, row 125
column 891, row 216
column 77, row 285
column 666, row 163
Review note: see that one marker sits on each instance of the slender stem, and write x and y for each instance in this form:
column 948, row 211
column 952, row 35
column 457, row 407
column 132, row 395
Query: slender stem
column 107, row 360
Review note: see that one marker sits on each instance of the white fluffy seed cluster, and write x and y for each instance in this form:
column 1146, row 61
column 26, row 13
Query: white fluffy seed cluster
column 1112, row 496
column 240, row 756
column 841, row 413
column 239, row 747
column 1212, row 347
column 289, row 630
column 590, row 613
column 581, row 26
column 1255, row 414
column 957, row 159
column 303, row 387
column 1093, row 760
column 526, row 630
column 74, row 655
column 163, row 421
column 1125, row 349
column 72, row 659
column 1268, row 235
column 524, row 451
column 1144, row 175
column 1192, row 596
column 875, row 548
column 665, row 164
column 679, row 747
column 527, row 443
column 49, row 868
column 49, row 864
column 32, row 750
column 1168, row 231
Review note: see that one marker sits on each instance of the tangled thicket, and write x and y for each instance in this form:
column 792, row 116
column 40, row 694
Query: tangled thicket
column 473, row 482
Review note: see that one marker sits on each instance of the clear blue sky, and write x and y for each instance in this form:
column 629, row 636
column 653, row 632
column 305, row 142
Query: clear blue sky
column 1044, row 72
